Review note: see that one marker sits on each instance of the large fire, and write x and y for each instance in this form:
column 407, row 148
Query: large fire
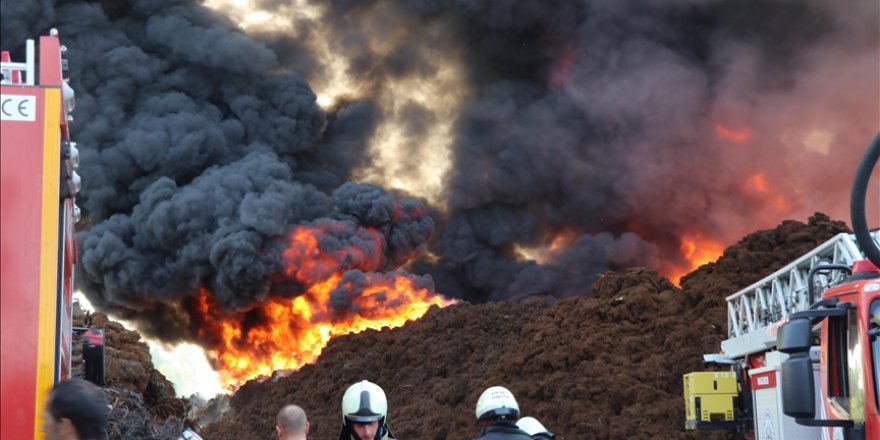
column 340, row 298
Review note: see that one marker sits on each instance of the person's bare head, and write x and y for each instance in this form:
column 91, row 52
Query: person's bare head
column 76, row 409
column 291, row 423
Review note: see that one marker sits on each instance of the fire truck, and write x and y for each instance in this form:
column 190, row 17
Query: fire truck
column 39, row 185
column 803, row 344
column 38, row 207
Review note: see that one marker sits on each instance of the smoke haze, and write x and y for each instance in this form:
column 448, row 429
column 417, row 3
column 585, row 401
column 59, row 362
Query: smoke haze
column 554, row 140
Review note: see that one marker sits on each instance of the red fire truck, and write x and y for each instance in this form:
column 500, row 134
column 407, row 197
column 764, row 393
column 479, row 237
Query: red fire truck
column 39, row 185
column 803, row 344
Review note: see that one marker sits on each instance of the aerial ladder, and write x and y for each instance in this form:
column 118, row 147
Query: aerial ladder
column 754, row 313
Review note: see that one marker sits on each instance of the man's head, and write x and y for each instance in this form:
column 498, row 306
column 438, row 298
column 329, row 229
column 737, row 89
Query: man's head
column 291, row 423
column 496, row 403
column 364, row 408
column 75, row 409
column 365, row 430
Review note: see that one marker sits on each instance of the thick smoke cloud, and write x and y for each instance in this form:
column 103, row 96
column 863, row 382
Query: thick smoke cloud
column 601, row 118
column 620, row 122
column 219, row 223
column 198, row 160
column 612, row 129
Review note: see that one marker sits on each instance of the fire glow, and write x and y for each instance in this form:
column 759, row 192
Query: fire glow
column 736, row 136
column 697, row 250
column 544, row 253
column 758, row 186
column 284, row 334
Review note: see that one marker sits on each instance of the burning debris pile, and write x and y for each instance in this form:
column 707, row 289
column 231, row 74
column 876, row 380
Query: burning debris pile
column 554, row 143
column 609, row 366
column 315, row 168
column 218, row 187
column 606, row 367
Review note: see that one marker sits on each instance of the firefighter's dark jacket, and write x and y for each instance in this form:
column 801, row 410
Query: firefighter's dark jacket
column 503, row 430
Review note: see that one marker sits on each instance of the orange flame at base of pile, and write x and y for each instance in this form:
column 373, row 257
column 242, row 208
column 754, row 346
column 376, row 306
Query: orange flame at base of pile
column 286, row 334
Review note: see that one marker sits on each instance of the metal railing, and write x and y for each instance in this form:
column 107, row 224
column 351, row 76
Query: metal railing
column 771, row 300
column 20, row 73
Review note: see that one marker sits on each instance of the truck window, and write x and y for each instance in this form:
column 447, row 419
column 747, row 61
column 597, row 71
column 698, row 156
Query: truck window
column 855, row 360
column 836, row 359
column 874, row 330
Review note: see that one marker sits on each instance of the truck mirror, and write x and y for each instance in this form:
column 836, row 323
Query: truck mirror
column 798, row 390
column 794, row 336
column 93, row 355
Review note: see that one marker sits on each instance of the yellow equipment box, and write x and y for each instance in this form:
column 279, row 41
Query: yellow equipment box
column 709, row 398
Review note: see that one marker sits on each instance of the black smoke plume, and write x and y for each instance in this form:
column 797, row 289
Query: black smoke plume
column 203, row 146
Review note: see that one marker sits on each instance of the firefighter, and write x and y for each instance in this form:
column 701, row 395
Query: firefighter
column 291, row 423
column 75, row 410
column 496, row 411
column 364, row 411
column 534, row 428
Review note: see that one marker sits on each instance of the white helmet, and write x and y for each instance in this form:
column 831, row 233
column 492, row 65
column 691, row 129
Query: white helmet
column 364, row 402
column 497, row 402
column 534, row 428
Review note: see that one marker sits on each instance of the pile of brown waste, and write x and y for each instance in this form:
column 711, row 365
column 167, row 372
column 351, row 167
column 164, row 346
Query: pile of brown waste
column 142, row 401
column 605, row 367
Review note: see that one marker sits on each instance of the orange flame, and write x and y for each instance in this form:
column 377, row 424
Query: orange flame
column 310, row 264
column 288, row 333
column 698, row 250
column 736, row 136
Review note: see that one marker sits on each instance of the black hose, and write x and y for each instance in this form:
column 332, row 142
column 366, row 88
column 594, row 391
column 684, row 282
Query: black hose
column 857, row 201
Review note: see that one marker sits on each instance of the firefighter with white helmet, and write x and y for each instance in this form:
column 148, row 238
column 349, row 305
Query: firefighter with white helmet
column 364, row 411
column 496, row 411
column 534, row 428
